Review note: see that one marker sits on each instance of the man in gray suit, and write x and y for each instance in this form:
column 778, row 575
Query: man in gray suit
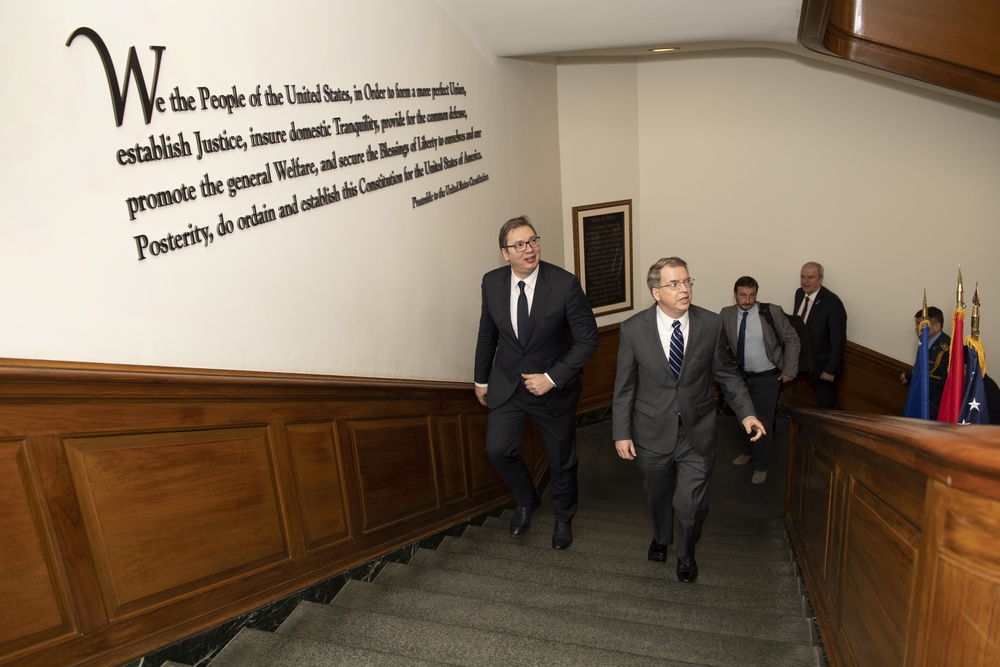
column 766, row 348
column 664, row 410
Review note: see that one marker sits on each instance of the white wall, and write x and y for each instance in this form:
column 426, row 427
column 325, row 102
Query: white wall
column 754, row 162
column 367, row 286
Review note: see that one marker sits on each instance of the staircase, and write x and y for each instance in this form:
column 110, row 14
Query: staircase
column 487, row 599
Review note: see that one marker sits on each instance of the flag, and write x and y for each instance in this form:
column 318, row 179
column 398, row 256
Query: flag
column 954, row 386
column 918, row 399
column 974, row 407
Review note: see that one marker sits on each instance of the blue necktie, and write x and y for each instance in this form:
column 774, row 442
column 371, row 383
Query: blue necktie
column 741, row 341
column 522, row 315
column 676, row 349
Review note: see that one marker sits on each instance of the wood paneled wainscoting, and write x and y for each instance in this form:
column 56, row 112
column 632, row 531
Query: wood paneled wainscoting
column 896, row 524
column 141, row 505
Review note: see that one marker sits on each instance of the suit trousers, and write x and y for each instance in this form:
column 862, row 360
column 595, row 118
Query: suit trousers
column 504, row 431
column 826, row 392
column 677, row 483
column 764, row 390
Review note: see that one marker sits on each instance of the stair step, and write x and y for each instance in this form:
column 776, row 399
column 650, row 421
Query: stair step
column 450, row 644
column 256, row 648
column 657, row 584
column 661, row 642
column 665, row 612
column 714, row 569
column 720, row 528
column 590, row 539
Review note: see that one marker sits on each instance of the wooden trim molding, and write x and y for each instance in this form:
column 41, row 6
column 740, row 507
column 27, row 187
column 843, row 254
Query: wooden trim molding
column 950, row 44
column 143, row 505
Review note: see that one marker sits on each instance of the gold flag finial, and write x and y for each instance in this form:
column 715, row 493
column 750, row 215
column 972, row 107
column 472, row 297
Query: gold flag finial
column 975, row 314
column 960, row 292
column 924, row 316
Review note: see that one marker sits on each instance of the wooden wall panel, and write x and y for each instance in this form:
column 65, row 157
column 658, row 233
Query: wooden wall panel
column 319, row 483
column 451, row 453
column 395, row 461
column 599, row 373
column 35, row 609
column 484, row 478
column 916, row 581
column 202, row 504
column 139, row 506
column 964, row 563
column 876, row 600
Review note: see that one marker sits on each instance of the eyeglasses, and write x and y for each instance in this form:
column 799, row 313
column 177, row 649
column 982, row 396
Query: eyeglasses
column 521, row 246
column 675, row 285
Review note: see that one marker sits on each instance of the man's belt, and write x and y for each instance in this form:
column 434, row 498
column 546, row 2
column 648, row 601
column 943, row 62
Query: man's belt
column 773, row 371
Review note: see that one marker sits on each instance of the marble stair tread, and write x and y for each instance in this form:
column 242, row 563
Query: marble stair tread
column 256, row 648
column 655, row 641
column 714, row 569
column 171, row 663
column 639, row 515
column 657, row 582
column 451, row 644
column 761, row 624
column 591, row 539
column 721, row 528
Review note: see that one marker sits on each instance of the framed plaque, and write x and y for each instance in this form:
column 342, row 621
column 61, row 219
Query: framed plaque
column 602, row 248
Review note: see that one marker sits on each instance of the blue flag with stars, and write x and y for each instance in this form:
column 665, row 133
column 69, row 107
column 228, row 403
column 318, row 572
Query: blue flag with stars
column 974, row 407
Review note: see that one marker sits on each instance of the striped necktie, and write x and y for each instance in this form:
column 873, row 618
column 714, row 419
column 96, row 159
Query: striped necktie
column 676, row 349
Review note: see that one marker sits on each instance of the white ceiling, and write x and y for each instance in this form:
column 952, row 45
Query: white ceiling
column 523, row 28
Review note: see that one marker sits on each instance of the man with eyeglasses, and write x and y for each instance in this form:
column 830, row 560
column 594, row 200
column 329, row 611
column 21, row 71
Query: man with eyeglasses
column 664, row 410
column 536, row 332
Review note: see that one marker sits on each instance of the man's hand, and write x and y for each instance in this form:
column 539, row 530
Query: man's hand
column 481, row 394
column 536, row 383
column 752, row 424
column 786, row 378
column 626, row 449
column 829, row 377
column 902, row 378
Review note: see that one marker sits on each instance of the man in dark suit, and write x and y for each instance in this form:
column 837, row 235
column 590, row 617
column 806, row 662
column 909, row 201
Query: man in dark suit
column 938, row 357
column 536, row 332
column 766, row 348
column 826, row 321
column 664, row 410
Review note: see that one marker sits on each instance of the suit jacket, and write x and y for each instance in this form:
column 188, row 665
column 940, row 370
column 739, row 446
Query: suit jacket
column 648, row 399
column 782, row 352
column 827, row 327
column 562, row 336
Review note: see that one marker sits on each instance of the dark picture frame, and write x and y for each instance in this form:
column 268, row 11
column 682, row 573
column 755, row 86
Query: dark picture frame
column 602, row 252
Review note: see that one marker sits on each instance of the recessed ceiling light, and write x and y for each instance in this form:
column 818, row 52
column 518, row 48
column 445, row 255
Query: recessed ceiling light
column 665, row 49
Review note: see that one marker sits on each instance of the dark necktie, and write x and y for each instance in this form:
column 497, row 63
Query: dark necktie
column 741, row 341
column 522, row 314
column 676, row 349
column 805, row 309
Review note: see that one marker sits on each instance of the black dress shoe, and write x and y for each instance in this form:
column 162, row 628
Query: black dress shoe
column 687, row 570
column 657, row 551
column 521, row 522
column 562, row 535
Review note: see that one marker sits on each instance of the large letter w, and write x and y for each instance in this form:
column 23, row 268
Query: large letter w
column 131, row 67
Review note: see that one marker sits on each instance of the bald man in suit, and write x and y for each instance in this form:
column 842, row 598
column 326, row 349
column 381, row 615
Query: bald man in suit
column 536, row 332
column 664, row 410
